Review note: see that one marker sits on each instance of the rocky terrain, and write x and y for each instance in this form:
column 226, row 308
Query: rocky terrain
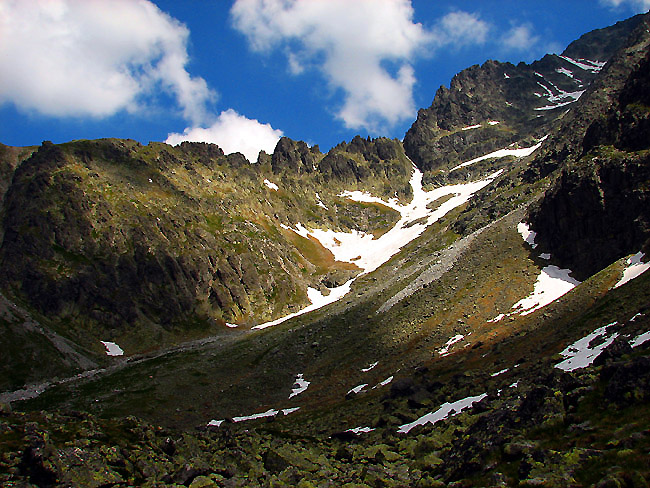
column 488, row 314
column 113, row 240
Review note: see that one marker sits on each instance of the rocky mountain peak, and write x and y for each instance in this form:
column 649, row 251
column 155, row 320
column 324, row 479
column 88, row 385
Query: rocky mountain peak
column 294, row 156
column 493, row 105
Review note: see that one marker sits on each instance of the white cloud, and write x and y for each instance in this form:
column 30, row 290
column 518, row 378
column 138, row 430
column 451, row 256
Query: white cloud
column 635, row 5
column 364, row 48
column 461, row 29
column 95, row 58
column 233, row 132
column 520, row 38
column 348, row 42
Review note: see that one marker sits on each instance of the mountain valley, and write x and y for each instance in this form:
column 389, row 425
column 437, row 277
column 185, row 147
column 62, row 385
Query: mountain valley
column 466, row 307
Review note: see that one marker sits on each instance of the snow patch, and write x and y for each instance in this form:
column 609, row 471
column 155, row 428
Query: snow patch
column 564, row 71
column 551, row 284
column 446, row 410
column 560, row 99
column 585, row 64
column 383, row 383
column 272, row 186
column 499, row 372
column 499, row 317
column 360, row 430
column 357, row 389
column 493, row 122
column 526, row 234
column 445, row 350
column 365, row 370
column 317, row 299
column 112, row 349
column 269, row 413
column 582, row 353
column 300, row 385
column 634, row 269
column 320, row 202
column 640, row 339
column 502, row 153
column 575, row 96
column 469, row 127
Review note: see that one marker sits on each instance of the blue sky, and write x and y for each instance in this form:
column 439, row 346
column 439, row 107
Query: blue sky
column 243, row 73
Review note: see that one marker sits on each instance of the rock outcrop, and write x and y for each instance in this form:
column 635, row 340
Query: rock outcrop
column 597, row 209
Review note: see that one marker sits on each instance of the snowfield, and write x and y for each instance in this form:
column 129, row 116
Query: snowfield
column 368, row 252
column 112, row 349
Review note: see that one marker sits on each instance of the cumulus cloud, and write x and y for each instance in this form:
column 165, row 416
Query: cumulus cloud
column 520, row 38
column 461, row 29
column 351, row 43
column 364, row 48
column 635, row 5
column 95, row 58
column 233, row 132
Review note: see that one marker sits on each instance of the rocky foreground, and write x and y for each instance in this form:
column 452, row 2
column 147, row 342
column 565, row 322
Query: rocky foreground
column 538, row 425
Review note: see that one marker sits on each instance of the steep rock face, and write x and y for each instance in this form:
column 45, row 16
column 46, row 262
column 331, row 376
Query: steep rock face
column 10, row 158
column 95, row 233
column 294, row 156
column 597, row 210
column 525, row 100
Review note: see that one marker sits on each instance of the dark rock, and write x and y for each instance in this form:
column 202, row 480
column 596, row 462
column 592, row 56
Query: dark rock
column 402, row 387
column 187, row 473
column 627, row 381
column 598, row 203
column 345, row 436
column 614, row 351
column 35, row 466
column 169, row 447
column 293, row 156
column 275, row 462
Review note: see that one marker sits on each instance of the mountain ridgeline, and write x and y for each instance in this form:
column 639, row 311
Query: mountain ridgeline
column 515, row 177
column 114, row 236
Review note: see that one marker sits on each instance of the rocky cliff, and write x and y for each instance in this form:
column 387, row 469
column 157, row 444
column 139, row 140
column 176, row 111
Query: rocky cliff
column 596, row 210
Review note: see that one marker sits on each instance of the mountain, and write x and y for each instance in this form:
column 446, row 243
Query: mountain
column 154, row 244
column 479, row 310
column 491, row 106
